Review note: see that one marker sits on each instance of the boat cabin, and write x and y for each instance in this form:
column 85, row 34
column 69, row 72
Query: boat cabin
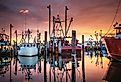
column 4, row 39
column 118, row 31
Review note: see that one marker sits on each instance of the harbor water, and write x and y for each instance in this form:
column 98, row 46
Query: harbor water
column 31, row 69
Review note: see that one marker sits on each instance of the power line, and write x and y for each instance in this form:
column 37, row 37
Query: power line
column 114, row 17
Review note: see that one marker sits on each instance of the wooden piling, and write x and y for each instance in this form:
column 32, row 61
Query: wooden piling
column 54, row 59
column 11, row 67
column 53, row 34
column 16, row 37
column 50, row 74
column 40, row 66
column 66, row 75
column 83, row 61
column 45, row 77
column 10, row 72
column 16, row 66
column 16, row 42
column 73, row 55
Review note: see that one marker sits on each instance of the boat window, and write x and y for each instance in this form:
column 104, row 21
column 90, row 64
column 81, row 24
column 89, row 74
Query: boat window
column 31, row 45
column 20, row 45
column 28, row 45
column 24, row 65
column 27, row 65
column 34, row 45
column 4, row 48
column 24, row 45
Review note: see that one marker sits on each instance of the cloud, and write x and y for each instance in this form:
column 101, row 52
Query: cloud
column 93, row 12
column 86, row 13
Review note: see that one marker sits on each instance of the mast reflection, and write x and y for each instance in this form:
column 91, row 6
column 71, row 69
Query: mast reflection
column 4, row 65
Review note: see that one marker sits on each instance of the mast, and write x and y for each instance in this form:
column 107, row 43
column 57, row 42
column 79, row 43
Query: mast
column 69, row 25
column 49, row 7
column 66, row 19
column 38, row 37
column 16, row 37
column 11, row 26
column 53, row 26
column 29, row 32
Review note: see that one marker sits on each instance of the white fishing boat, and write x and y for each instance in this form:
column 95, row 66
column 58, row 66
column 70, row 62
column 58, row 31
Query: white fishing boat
column 27, row 48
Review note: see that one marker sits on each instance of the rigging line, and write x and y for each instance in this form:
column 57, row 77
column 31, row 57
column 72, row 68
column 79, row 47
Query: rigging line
column 112, row 32
column 114, row 17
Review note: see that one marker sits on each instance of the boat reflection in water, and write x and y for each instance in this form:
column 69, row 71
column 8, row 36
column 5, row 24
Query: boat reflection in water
column 62, row 69
column 58, row 69
column 4, row 65
column 28, row 64
column 113, row 73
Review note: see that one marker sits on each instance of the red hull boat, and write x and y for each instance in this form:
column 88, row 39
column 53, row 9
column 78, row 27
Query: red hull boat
column 113, row 44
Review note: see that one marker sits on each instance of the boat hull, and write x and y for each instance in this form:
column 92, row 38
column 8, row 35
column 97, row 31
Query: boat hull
column 28, row 50
column 114, row 47
column 67, row 51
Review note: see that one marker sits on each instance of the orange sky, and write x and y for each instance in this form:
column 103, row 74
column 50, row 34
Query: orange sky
column 89, row 15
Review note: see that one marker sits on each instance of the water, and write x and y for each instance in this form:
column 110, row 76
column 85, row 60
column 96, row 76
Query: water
column 31, row 69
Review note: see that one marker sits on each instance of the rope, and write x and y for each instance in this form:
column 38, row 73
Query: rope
column 114, row 17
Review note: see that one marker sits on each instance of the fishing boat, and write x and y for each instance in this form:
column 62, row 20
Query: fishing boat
column 4, row 42
column 59, row 39
column 63, row 47
column 27, row 48
column 67, row 50
column 113, row 44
